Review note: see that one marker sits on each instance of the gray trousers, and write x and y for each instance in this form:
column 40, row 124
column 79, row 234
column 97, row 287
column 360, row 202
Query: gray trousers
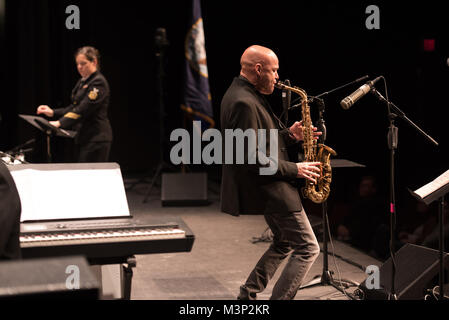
column 292, row 234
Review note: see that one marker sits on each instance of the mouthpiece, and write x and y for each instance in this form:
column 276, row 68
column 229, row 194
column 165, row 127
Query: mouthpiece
column 280, row 84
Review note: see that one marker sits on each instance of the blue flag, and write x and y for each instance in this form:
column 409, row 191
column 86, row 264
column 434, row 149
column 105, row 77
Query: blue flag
column 197, row 98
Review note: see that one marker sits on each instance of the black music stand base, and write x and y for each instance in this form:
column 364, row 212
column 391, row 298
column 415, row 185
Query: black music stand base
column 326, row 279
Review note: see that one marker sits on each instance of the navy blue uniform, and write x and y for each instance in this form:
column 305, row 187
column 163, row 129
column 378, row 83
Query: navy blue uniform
column 88, row 115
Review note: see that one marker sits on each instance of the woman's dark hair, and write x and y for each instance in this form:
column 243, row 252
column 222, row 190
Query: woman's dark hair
column 91, row 54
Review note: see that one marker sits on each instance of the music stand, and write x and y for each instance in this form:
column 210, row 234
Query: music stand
column 326, row 276
column 43, row 125
column 436, row 190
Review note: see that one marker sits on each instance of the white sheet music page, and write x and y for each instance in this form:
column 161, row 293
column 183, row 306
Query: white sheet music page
column 71, row 194
column 434, row 185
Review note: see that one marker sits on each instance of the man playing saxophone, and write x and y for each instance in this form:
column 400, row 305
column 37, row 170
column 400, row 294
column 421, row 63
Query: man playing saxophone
column 245, row 191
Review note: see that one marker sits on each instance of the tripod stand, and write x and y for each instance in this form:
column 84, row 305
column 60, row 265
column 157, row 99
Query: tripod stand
column 161, row 43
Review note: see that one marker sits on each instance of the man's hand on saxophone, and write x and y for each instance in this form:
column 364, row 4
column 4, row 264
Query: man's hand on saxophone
column 309, row 170
column 296, row 131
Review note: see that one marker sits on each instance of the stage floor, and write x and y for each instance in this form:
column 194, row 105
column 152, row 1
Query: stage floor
column 223, row 255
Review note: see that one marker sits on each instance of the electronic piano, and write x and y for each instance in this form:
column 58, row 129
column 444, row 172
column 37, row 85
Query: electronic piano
column 105, row 241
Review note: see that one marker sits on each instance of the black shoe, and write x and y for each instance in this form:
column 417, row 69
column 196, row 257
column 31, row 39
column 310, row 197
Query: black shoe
column 245, row 295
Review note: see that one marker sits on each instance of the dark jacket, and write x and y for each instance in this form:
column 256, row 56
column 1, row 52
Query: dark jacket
column 88, row 111
column 244, row 190
column 10, row 210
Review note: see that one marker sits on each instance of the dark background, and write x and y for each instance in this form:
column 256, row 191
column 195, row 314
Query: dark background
column 320, row 45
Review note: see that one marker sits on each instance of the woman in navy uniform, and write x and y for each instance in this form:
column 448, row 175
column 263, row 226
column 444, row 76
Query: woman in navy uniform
column 88, row 112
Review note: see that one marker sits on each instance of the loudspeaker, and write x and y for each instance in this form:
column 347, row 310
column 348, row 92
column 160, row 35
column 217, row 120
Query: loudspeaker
column 51, row 278
column 184, row 189
column 417, row 270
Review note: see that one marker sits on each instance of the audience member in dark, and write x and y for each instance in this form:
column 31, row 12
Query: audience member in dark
column 421, row 220
column 427, row 233
column 367, row 215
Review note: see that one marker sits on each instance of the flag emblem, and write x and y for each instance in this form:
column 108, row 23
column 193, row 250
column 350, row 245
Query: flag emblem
column 195, row 50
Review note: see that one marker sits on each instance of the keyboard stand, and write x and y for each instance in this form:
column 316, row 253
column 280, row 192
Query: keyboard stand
column 124, row 277
column 128, row 276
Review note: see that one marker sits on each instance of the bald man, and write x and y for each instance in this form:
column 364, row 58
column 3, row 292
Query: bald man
column 245, row 191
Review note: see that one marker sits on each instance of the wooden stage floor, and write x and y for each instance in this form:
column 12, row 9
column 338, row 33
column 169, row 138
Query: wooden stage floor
column 223, row 255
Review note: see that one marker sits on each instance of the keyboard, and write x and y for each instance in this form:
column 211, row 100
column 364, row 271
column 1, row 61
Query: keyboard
column 105, row 240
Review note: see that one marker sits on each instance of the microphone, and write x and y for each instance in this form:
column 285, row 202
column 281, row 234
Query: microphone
column 286, row 100
column 347, row 102
column 160, row 39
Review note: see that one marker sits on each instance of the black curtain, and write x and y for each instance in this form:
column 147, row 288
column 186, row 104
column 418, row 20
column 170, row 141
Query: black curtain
column 321, row 45
column 41, row 70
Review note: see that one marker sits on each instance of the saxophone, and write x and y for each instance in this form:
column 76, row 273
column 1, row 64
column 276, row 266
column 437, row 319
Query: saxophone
column 313, row 152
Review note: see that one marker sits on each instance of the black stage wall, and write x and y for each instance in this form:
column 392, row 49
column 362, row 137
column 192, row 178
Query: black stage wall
column 321, row 45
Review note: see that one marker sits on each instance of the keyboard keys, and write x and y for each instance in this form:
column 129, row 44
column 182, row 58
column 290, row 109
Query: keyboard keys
column 64, row 238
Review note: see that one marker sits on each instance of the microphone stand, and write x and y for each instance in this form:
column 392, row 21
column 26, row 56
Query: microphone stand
column 286, row 101
column 392, row 145
column 324, row 94
column 161, row 44
column 326, row 276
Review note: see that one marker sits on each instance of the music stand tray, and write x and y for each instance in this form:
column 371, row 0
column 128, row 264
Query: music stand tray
column 436, row 190
column 343, row 163
column 43, row 125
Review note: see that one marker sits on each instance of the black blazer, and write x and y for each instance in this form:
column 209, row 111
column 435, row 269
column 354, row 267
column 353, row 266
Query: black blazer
column 243, row 189
column 10, row 210
column 88, row 111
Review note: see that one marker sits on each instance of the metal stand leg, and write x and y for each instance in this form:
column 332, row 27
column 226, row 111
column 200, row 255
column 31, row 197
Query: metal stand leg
column 153, row 181
column 326, row 277
column 49, row 158
column 441, row 248
column 128, row 276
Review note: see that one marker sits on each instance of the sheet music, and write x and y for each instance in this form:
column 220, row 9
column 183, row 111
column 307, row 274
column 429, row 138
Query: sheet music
column 434, row 185
column 71, row 194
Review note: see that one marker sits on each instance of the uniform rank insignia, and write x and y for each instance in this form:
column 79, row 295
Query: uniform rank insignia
column 93, row 94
